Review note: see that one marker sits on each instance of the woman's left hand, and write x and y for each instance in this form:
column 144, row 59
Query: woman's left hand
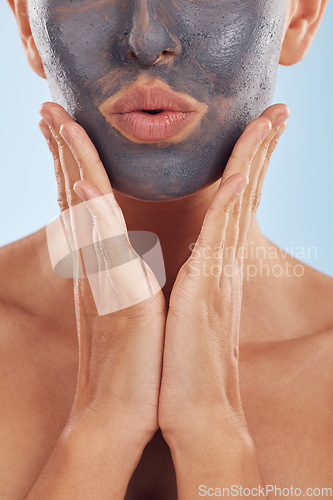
column 200, row 383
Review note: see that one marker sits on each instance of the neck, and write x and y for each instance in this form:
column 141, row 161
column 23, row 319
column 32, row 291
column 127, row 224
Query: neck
column 176, row 223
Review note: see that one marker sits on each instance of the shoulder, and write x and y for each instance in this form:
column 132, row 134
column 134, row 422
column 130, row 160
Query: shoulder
column 26, row 277
column 18, row 264
column 303, row 294
column 38, row 367
column 316, row 299
column 313, row 346
column 30, row 339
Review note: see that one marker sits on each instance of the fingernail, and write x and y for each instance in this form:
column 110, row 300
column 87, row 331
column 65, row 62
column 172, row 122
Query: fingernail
column 280, row 119
column 43, row 127
column 241, row 186
column 66, row 137
column 47, row 117
column 80, row 192
column 265, row 133
column 280, row 131
column 89, row 191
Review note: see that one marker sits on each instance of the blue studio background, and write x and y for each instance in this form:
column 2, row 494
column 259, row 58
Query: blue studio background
column 297, row 203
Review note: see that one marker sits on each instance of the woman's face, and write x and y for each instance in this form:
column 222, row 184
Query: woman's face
column 221, row 53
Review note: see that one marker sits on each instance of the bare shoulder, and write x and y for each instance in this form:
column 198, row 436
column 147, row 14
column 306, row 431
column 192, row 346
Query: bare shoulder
column 316, row 296
column 37, row 370
column 311, row 350
column 29, row 336
column 19, row 263
column 313, row 299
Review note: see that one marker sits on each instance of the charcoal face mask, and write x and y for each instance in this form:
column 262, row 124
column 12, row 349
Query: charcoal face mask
column 223, row 53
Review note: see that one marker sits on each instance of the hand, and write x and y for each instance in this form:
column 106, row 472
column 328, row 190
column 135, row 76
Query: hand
column 120, row 348
column 200, row 384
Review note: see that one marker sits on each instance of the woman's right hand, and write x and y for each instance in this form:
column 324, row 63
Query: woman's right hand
column 120, row 333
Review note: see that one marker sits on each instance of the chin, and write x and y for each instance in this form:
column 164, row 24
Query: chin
column 165, row 176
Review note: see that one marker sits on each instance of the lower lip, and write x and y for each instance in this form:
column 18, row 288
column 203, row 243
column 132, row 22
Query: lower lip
column 151, row 128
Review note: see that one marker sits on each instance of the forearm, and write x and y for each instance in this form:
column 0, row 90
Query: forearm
column 216, row 458
column 91, row 460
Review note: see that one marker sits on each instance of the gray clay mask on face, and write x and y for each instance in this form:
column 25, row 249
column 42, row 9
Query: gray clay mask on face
column 221, row 54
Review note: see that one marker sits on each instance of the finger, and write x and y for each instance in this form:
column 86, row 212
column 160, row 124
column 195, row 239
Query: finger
column 247, row 146
column 104, row 222
column 270, row 152
column 276, row 114
column 251, row 161
column 59, row 233
column 122, row 278
column 53, row 147
column 245, row 160
column 240, row 163
column 53, row 114
column 252, row 195
column 208, row 250
column 86, row 155
column 91, row 167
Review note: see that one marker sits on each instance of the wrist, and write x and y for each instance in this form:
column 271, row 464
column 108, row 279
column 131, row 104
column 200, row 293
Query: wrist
column 113, row 417
column 215, row 452
column 208, row 429
column 225, row 456
column 91, row 439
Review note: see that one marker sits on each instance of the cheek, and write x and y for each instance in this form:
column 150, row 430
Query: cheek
column 237, row 42
column 74, row 38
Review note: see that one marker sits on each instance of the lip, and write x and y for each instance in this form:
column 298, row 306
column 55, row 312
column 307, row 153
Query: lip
column 127, row 111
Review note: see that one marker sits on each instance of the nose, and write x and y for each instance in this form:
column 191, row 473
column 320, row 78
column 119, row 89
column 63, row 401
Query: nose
column 150, row 41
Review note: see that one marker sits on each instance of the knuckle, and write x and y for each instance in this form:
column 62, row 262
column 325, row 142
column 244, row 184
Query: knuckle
column 69, row 196
column 255, row 201
column 215, row 211
column 62, row 203
column 265, row 146
column 235, row 209
column 239, row 157
column 271, row 148
column 231, row 208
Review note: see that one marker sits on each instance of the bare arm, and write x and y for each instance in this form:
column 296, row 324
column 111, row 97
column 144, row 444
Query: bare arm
column 94, row 458
column 120, row 318
column 200, row 408
column 216, row 459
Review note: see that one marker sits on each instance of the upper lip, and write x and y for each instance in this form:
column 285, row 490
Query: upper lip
column 138, row 98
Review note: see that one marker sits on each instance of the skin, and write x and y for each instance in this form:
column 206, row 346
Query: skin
column 78, row 436
column 194, row 48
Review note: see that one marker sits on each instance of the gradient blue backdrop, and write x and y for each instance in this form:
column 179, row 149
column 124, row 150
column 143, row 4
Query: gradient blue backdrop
column 297, row 203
